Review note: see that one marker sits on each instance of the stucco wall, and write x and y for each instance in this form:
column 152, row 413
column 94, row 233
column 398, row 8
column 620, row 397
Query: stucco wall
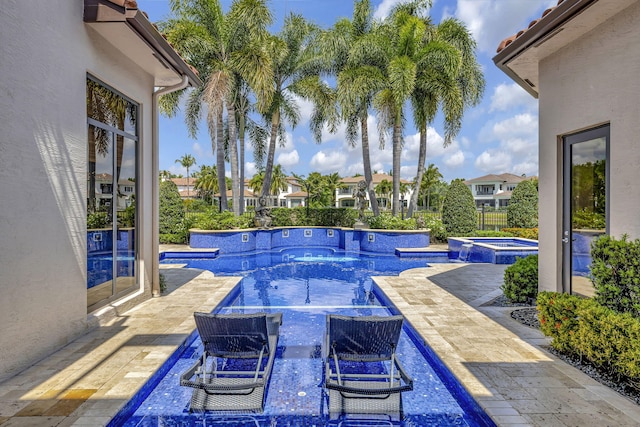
column 46, row 52
column 590, row 82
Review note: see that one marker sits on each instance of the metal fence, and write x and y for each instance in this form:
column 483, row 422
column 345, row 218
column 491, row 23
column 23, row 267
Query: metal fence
column 487, row 220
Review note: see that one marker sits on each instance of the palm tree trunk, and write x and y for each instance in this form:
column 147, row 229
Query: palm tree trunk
column 241, row 137
column 266, row 184
column 222, row 184
column 366, row 160
column 233, row 157
column 422, row 155
column 397, row 151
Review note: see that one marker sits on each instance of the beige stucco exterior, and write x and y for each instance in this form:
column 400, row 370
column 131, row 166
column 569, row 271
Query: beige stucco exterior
column 592, row 81
column 581, row 59
column 47, row 51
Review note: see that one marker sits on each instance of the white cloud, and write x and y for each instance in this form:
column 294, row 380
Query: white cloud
column 250, row 169
column 507, row 97
column 327, row 163
column 383, row 9
column 491, row 21
column 288, row 160
column 305, row 108
column 523, row 125
column 494, row 161
column 455, row 160
column 199, row 150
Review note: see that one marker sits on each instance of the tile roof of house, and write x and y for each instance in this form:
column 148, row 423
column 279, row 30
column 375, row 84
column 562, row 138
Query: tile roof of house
column 504, row 177
column 507, row 41
column 296, row 194
column 376, row 178
column 183, row 181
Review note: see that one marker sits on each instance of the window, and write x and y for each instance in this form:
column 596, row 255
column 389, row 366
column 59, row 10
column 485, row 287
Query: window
column 112, row 144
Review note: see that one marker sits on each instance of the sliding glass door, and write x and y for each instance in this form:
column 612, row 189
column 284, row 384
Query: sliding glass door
column 585, row 206
column 111, row 194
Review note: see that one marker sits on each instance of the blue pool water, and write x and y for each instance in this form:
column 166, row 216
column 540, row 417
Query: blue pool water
column 305, row 285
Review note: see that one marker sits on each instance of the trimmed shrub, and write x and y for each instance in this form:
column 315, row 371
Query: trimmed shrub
column 222, row 221
column 386, row 221
column 525, row 233
column 98, row 220
column 459, row 210
column 437, row 233
column 522, row 211
column 521, row 279
column 615, row 271
column 582, row 327
column 172, row 227
column 558, row 318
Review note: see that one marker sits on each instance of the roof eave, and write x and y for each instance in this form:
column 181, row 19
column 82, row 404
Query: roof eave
column 96, row 11
column 536, row 35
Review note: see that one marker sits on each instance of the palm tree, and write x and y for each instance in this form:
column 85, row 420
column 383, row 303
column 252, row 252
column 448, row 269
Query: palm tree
column 353, row 55
column 107, row 107
column 223, row 48
column 430, row 178
column 294, row 72
column 207, row 182
column 384, row 188
column 333, row 183
column 187, row 161
column 450, row 79
column 278, row 182
column 401, row 33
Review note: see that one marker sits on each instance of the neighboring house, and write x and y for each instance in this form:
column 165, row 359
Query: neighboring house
column 80, row 85
column 186, row 187
column 494, row 190
column 344, row 196
column 293, row 200
column 581, row 59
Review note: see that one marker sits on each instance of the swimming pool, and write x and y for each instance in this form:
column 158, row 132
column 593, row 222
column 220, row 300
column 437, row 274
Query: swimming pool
column 495, row 250
column 305, row 285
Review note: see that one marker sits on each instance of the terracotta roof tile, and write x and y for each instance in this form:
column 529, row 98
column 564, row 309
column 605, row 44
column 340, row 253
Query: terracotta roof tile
column 507, row 41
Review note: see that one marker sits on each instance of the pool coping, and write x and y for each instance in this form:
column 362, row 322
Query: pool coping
column 500, row 362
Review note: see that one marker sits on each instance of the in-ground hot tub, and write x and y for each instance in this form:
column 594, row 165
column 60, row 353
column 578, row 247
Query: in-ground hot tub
column 495, row 250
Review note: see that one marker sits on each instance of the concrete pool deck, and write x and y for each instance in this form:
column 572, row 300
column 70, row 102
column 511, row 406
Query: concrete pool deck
column 499, row 361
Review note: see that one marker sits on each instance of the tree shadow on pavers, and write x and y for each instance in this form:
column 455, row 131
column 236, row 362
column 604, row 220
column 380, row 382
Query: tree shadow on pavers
column 472, row 281
column 177, row 277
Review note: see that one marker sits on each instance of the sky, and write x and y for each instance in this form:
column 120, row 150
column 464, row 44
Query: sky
column 500, row 135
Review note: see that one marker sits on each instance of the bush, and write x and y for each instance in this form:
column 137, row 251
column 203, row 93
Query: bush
column 222, row 221
column 522, row 211
column 173, row 226
column 459, row 211
column 615, row 271
column 558, row 318
column 525, row 233
column 386, row 221
column 437, row 233
column 582, row 327
column 521, row 279
column 98, row 220
column 587, row 219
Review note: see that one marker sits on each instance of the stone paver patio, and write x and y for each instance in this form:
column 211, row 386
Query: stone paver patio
column 498, row 360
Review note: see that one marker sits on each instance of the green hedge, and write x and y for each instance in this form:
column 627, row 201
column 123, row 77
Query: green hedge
column 525, row 233
column 606, row 338
column 615, row 270
column 521, row 279
column 459, row 214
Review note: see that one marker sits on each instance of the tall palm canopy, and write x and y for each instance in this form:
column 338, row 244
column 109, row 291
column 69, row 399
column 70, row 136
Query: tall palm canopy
column 401, row 66
column 225, row 49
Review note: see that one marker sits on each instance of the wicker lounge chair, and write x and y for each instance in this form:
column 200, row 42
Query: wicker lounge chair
column 362, row 372
column 234, row 370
